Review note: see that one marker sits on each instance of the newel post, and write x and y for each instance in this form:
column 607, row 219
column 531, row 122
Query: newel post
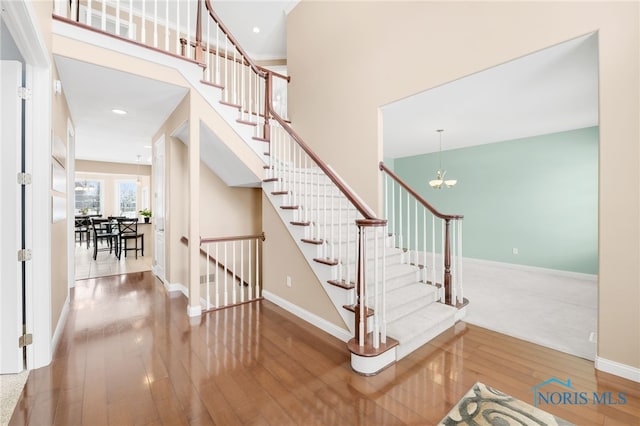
column 268, row 82
column 447, row 263
column 361, row 288
column 198, row 51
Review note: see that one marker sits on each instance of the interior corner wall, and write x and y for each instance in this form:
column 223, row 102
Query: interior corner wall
column 538, row 195
column 378, row 52
column 59, row 235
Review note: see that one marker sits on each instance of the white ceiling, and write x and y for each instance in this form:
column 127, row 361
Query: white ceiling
column 93, row 91
column 549, row 91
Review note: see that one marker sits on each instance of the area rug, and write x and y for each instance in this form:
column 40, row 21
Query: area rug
column 483, row 405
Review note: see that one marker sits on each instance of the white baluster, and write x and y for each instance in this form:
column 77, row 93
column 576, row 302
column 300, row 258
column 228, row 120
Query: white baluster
column 415, row 230
column 400, row 230
column 433, row 254
column 117, row 17
column 408, row 243
column 459, row 269
column 235, row 76
column 226, row 290
column 103, row 23
column 208, row 275
column 166, row 27
column 383, row 328
column 442, row 222
column 241, row 271
column 217, row 53
column 208, row 47
column 178, row 47
column 243, row 94
column 249, row 275
column 424, row 245
column 143, row 29
column 131, row 33
column 155, row 23
column 217, row 279
column 226, row 68
column 189, row 54
column 233, row 263
column 89, row 12
column 376, row 297
column 332, row 228
column 257, row 268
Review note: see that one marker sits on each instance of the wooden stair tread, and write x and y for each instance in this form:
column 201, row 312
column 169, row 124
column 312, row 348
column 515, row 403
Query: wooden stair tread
column 247, row 122
column 231, row 104
column 289, row 207
column 293, row 222
column 209, row 83
column 279, row 192
column 330, row 262
column 273, row 179
column 368, row 350
column 260, row 139
column 310, row 241
column 352, row 308
column 347, row 285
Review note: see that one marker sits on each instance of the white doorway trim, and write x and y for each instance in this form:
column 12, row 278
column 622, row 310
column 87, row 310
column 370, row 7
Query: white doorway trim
column 22, row 23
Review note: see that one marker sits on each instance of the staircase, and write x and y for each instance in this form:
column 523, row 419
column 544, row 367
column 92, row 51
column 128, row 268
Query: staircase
column 394, row 291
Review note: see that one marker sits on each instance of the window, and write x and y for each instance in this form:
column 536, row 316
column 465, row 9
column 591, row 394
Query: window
column 127, row 198
column 88, row 197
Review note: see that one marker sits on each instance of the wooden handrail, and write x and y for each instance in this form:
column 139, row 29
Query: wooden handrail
column 355, row 200
column 417, row 196
column 234, row 238
column 233, row 41
column 225, row 55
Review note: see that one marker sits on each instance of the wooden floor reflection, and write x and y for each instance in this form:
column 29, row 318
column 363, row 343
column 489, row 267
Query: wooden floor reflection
column 129, row 355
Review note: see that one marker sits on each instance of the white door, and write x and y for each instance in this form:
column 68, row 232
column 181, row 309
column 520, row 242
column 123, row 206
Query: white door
column 159, row 207
column 11, row 279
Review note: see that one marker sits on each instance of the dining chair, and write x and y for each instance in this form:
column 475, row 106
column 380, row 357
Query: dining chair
column 103, row 232
column 128, row 232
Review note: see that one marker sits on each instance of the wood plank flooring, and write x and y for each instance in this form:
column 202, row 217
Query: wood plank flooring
column 130, row 356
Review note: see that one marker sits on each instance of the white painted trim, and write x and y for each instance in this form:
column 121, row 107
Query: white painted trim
column 60, row 326
column 22, row 23
column 71, row 236
column 618, row 369
column 536, row 269
column 309, row 317
column 176, row 287
column 194, row 311
column 38, row 128
column 371, row 365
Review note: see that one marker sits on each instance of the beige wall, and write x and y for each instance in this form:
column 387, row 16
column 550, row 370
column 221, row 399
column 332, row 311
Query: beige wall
column 379, row 52
column 224, row 211
column 281, row 259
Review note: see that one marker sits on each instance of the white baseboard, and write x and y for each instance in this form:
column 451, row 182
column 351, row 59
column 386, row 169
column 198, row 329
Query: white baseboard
column 527, row 268
column 194, row 311
column 173, row 287
column 55, row 339
column 309, row 317
column 618, row 369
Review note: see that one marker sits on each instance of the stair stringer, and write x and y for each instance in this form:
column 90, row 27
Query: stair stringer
column 339, row 296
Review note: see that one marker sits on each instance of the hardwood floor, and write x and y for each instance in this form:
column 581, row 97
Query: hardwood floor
column 129, row 355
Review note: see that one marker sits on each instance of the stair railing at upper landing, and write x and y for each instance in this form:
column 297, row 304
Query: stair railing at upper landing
column 412, row 222
column 191, row 30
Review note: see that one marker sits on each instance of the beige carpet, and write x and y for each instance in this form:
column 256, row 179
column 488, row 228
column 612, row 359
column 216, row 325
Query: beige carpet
column 10, row 389
column 483, row 405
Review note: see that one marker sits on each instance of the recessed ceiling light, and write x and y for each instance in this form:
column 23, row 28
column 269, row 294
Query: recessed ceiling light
column 118, row 111
column 256, row 30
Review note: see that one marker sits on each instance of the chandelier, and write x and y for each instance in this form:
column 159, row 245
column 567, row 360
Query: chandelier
column 440, row 182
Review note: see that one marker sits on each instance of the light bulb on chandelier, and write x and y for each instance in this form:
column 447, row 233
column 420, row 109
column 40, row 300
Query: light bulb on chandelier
column 440, row 182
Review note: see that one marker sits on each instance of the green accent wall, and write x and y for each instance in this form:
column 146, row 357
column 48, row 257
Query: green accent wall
column 537, row 194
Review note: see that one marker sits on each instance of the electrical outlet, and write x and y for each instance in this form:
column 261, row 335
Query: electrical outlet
column 288, row 281
column 514, row 250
